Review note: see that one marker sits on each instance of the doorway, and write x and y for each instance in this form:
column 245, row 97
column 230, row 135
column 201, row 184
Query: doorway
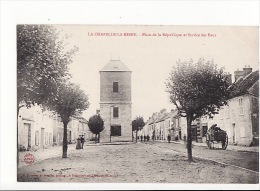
column 28, row 134
column 42, row 137
column 234, row 133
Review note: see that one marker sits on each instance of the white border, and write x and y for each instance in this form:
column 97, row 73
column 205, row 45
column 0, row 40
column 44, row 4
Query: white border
column 228, row 13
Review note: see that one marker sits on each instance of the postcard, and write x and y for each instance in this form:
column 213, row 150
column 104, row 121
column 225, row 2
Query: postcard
column 104, row 104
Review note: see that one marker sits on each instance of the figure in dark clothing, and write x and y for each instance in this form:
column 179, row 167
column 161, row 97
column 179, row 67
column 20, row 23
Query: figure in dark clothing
column 141, row 138
column 82, row 140
column 78, row 145
column 169, row 138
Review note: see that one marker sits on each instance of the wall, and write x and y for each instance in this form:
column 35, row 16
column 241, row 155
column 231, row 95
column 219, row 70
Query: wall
column 41, row 128
column 124, row 119
column 238, row 124
column 106, row 86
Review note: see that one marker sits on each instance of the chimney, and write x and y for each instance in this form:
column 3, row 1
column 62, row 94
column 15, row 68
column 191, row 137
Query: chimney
column 238, row 74
column 163, row 111
column 229, row 78
column 154, row 115
column 247, row 70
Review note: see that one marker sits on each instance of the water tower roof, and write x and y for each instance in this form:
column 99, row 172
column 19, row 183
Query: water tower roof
column 114, row 66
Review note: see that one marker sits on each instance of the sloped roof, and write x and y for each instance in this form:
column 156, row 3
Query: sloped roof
column 151, row 121
column 80, row 118
column 162, row 117
column 115, row 65
column 172, row 114
column 245, row 85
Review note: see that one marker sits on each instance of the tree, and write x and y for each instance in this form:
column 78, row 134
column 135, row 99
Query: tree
column 41, row 62
column 197, row 89
column 137, row 124
column 96, row 125
column 70, row 100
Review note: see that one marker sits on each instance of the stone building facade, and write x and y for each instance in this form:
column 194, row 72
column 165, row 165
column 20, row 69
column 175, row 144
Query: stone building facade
column 35, row 128
column 240, row 118
column 115, row 102
column 38, row 129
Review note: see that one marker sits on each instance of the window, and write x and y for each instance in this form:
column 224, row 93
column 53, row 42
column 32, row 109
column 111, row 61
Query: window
column 50, row 138
column 46, row 138
column 116, row 130
column 58, row 137
column 37, row 138
column 240, row 103
column 115, row 86
column 227, row 110
column 115, row 112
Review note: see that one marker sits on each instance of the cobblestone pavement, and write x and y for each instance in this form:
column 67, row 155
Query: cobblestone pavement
column 130, row 163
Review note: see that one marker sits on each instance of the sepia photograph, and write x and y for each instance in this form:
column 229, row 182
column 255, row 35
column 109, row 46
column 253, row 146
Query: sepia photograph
column 128, row 95
column 137, row 104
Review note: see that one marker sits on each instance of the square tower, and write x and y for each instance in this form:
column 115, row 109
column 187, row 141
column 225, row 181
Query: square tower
column 115, row 102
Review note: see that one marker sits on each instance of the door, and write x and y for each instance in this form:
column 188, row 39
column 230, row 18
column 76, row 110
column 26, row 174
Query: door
column 70, row 137
column 42, row 137
column 234, row 133
column 193, row 132
column 28, row 134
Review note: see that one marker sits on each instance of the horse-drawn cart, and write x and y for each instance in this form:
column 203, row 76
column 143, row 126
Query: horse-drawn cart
column 216, row 135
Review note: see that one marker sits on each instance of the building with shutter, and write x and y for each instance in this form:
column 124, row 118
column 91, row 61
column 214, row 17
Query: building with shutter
column 115, row 102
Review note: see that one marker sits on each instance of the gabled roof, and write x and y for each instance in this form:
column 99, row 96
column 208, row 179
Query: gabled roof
column 115, row 65
column 248, row 84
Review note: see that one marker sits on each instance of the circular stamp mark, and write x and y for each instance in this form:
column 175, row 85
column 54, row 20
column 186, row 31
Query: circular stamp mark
column 29, row 158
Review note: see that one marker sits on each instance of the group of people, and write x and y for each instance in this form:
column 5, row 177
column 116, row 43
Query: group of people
column 145, row 137
column 80, row 142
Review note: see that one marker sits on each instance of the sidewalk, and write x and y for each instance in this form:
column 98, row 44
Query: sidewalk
column 56, row 151
column 229, row 147
column 42, row 154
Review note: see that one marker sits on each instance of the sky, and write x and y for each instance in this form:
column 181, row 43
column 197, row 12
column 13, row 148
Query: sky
column 151, row 58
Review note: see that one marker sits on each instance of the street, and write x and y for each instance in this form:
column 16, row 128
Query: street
column 244, row 159
column 152, row 162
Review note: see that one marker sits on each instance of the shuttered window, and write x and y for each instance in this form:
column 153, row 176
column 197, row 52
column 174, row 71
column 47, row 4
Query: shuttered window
column 115, row 86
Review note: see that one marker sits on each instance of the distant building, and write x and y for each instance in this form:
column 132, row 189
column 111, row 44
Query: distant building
column 77, row 126
column 115, row 102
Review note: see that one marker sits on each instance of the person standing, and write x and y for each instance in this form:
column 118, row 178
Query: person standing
column 169, row 138
column 185, row 140
column 82, row 140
